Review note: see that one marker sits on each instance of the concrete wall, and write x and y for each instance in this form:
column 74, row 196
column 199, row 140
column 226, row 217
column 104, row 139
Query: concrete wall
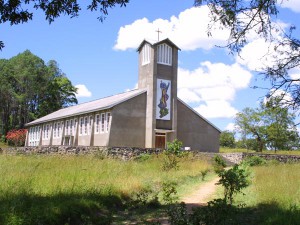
column 129, row 122
column 146, row 80
column 195, row 132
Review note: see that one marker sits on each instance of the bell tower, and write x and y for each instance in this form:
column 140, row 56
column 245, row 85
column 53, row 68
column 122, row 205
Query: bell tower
column 158, row 64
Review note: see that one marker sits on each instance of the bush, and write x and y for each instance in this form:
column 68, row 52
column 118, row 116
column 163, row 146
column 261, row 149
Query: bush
column 16, row 137
column 217, row 212
column 219, row 164
column 233, row 181
column 172, row 154
column 254, row 161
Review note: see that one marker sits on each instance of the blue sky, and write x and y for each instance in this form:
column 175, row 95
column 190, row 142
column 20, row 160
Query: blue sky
column 101, row 58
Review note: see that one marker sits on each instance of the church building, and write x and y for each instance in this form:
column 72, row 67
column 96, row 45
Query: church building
column 147, row 117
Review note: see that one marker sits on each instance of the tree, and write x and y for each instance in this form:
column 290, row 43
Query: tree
column 250, row 125
column 227, row 139
column 243, row 17
column 271, row 125
column 21, row 11
column 30, row 89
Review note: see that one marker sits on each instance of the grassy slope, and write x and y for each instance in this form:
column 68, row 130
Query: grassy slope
column 73, row 190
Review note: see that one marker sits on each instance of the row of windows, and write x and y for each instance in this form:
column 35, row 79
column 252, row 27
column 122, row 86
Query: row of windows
column 102, row 123
column 164, row 54
column 34, row 133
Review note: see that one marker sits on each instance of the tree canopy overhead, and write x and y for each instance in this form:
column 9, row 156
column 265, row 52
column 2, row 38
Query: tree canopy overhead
column 247, row 17
column 21, row 11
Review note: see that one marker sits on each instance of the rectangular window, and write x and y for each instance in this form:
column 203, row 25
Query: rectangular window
column 58, row 129
column 71, row 127
column 97, row 125
column 102, row 122
column 90, row 124
column 61, row 128
column 85, row 125
column 107, row 121
column 75, row 126
column 47, row 131
column 67, row 131
column 164, row 54
column 54, row 130
column 81, row 126
column 44, row 131
column 146, row 54
column 38, row 133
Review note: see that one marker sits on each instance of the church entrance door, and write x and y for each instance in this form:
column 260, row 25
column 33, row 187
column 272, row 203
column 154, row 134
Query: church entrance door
column 160, row 140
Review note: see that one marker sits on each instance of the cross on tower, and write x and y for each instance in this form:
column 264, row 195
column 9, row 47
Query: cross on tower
column 158, row 31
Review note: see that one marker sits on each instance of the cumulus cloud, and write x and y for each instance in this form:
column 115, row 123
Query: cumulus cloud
column 188, row 30
column 212, row 87
column 82, row 91
column 292, row 5
column 230, row 127
column 216, row 109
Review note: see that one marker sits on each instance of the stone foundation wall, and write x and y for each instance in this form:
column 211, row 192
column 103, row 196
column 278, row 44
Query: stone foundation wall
column 114, row 152
column 130, row 152
column 238, row 157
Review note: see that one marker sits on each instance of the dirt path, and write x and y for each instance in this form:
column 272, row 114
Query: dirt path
column 201, row 195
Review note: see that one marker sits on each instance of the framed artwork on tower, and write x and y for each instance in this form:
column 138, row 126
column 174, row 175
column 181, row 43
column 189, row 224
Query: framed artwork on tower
column 163, row 100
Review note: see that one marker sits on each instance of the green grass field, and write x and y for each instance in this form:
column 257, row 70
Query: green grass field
column 273, row 196
column 81, row 189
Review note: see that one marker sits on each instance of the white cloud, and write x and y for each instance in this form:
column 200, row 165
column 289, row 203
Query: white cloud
column 82, row 91
column 130, row 89
column 216, row 109
column 291, row 4
column 213, row 86
column 188, row 31
column 230, row 127
column 286, row 97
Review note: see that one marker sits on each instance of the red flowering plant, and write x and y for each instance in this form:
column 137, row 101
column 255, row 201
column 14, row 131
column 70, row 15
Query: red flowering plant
column 16, row 137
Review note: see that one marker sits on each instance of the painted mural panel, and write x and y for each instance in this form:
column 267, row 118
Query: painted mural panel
column 163, row 99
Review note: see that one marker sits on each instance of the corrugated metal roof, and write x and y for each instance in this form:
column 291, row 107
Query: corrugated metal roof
column 100, row 104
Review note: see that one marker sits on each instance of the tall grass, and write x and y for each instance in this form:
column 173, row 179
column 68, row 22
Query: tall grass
column 278, row 184
column 274, row 195
column 68, row 189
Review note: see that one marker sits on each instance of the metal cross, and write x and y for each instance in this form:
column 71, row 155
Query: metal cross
column 158, row 31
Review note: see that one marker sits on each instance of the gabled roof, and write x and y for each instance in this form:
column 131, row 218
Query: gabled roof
column 156, row 43
column 198, row 114
column 88, row 107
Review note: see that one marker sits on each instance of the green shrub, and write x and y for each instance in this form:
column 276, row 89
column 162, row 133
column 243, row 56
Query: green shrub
column 172, row 153
column 219, row 164
column 254, row 161
column 233, row 181
column 169, row 192
column 217, row 212
column 204, row 173
column 142, row 157
column 144, row 197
